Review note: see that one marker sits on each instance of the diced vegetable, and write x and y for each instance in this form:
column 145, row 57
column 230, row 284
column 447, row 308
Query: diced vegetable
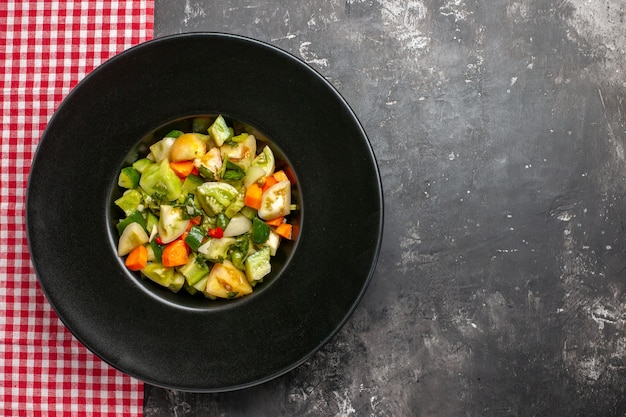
column 137, row 258
column 272, row 242
column 128, row 178
column 253, row 175
column 265, row 160
column 172, row 223
column 191, row 183
column 160, row 151
column 232, row 172
column 201, row 285
column 157, row 250
column 195, row 237
column 141, row 164
column 216, row 232
column 238, row 225
column 260, row 231
column 226, row 281
column 284, row 230
column 214, row 197
column 219, row 131
column 134, row 217
column 280, row 176
column 175, row 254
column 129, row 201
column 210, row 164
column 249, row 212
column 268, row 182
column 254, row 196
column 238, row 251
column 159, row 273
column 182, row 168
column 276, row 222
column 194, row 270
column 152, row 222
column 160, row 179
column 187, row 146
column 221, row 220
column 191, row 208
column 241, row 153
column 216, row 250
column 133, row 235
column 258, row 265
column 178, row 280
column 276, row 201
column 236, row 205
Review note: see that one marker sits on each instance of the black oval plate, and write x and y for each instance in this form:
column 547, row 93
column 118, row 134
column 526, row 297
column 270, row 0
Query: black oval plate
column 177, row 345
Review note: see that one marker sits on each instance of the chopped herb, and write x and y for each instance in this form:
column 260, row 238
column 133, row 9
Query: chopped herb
column 206, row 173
column 232, row 172
column 190, row 209
column 260, row 231
column 222, row 221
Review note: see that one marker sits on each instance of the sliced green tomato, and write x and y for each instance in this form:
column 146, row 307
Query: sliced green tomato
column 210, row 164
column 219, row 131
column 214, row 197
column 236, row 205
column 133, row 235
column 265, row 160
column 128, row 178
column 216, row 250
column 171, row 223
column 276, row 201
column 241, row 153
column 158, row 273
column 226, row 281
column 253, row 175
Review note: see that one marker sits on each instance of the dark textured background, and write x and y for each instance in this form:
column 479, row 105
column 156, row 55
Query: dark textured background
column 499, row 128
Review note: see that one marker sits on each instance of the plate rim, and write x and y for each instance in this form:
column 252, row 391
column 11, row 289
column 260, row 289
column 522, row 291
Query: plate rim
column 37, row 263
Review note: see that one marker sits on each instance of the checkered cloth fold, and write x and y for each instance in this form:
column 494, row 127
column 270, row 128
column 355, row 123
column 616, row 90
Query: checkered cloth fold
column 46, row 47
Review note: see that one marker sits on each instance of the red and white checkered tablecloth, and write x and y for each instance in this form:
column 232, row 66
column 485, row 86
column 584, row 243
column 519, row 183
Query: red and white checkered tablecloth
column 46, row 47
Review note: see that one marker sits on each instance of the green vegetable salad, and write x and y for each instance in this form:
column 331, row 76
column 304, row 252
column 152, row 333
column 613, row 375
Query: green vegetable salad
column 205, row 211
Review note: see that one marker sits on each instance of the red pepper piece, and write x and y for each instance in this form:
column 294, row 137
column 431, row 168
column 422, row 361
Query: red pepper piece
column 216, row 232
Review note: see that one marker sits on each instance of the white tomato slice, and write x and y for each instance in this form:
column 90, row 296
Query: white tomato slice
column 276, row 201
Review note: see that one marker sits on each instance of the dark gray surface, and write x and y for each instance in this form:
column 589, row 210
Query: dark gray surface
column 499, row 128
